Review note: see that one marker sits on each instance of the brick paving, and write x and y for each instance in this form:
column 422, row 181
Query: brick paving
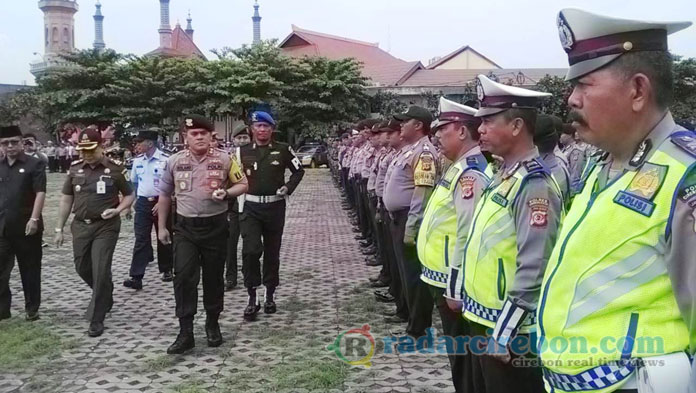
column 322, row 270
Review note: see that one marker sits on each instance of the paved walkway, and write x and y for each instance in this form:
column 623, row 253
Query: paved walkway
column 323, row 294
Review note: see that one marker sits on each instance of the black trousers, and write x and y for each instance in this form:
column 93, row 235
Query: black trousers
column 418, row 299
column 454, row 325
column 490, row 375
column 363, row 210
column 232, row 241
column 28, row 251
column 52, row 164
column 262, row 233
column 395, row 285
column 350, row 188
column 199, row 245
column 377, row 235
column 93, row 250
column 142, row 250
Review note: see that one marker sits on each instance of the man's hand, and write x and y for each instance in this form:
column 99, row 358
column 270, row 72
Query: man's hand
column 164, row 236
column 109, row 214
column 58, row 239
column 454, row 305
column 498, row 352
column 31, row 228
column 409, row 239
column 282, row 191
column 155, row 209
column 219, row 195
column 129, row 215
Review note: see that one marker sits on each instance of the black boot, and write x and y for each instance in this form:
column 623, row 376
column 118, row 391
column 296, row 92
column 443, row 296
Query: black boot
column 269, row 306
column 212, row 330
column 184, row 341
column 253, row 307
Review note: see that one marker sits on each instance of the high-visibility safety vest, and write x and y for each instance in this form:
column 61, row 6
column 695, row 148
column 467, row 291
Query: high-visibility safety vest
column 606, row 297
column 490, row 260
column 437, row 234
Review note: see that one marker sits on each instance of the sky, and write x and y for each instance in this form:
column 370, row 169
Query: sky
column 514, row 34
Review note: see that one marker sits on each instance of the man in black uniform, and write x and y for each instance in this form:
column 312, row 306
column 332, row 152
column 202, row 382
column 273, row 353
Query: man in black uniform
column 91, row 190
column 240, row 137
column 22, row 196
column 262, row 221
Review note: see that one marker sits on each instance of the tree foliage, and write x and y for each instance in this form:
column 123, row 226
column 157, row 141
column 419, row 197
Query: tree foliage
column 684, row 106
column 560, row 90
column 309, row 96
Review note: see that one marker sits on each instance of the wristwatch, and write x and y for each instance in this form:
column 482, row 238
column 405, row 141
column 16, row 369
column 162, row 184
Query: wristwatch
column 34, row 219
column 59, row 230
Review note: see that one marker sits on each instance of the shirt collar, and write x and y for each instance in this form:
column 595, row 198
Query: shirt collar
column 509, row 168
column 662, row 130
column 476, row 150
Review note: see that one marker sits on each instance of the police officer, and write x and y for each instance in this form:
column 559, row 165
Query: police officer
column 240, row 137
column 636, row 281
column 262, row 221
column 202, row 178
column 148, row 169
column 546, row 137
column 405, row 195
column 442, row 235
column 577, row 154
column 381, row 141
column 91, row 190
column 509, row 241
column 22, row 196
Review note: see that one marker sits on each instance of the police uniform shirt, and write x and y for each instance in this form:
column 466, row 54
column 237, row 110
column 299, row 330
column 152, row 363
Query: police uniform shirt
column 147, row 173
column 576, row 154
column 537, row 211
column 264, row 167
column 19, row 184
column 383, row 166
column 50, row 151
column 681, row 241
column 355, row 164
column 374, row 168
column 411, row 182
column 560, row 174
column 368, row 161
column 97, row 188
column 193, row 181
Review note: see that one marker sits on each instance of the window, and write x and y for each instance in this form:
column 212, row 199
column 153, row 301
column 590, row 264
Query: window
column 54, row 35
column 66, row 37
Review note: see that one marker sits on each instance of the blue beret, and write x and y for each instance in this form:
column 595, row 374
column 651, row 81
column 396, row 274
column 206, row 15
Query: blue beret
column 263, row 117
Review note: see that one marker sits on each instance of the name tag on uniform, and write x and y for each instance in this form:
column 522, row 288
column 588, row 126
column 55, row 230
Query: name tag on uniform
column 101, row 187
column 639, row 194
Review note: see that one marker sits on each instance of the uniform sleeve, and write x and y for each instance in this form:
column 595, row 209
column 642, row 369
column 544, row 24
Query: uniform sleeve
column 467, row 193
column 537, row 212
column 681, row 248
column 293, row 163
column 38, row 177
column 67, row 185
column 133, row 176
column 122, row 183
column 166, row 186
column 424, row 173
column 235, row 174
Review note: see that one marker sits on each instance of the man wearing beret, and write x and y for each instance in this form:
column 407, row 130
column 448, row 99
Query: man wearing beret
column 264, row 162
column 240, row 137
column 91, row 190
column 148, row 169
column 623, row 266
column 203, row 179
column 22, row 196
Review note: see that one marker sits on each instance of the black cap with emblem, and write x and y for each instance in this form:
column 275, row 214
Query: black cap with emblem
column 10, row 132
column 197, row 122
column 416, row 112
column 89, row 139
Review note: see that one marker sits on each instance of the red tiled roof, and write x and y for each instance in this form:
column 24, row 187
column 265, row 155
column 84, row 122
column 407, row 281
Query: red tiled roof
column 378, row 64
column 455, row 53
column 182, row 46
column 439, row 78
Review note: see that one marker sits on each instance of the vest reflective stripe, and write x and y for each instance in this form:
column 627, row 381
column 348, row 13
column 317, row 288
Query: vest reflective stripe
column 491, row 254
column 438, row 231
column 596, row 278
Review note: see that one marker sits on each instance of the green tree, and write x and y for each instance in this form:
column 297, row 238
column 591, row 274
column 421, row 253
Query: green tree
column 560, row 90
column 684, row 106
column 386, row 104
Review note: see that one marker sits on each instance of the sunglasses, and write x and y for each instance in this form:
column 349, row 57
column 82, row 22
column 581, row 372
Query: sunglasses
column 11, row 142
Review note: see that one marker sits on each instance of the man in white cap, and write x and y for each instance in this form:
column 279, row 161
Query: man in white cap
column 637, row 281
column 448, row 214
column 510, row 239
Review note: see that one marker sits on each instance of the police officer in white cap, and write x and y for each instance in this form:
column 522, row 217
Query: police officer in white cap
column 636, row 281
column 509, row 241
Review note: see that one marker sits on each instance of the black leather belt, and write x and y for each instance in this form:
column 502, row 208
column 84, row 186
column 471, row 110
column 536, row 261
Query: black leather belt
column 149, row 199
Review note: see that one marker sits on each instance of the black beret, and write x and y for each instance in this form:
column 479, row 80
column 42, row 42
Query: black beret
column 192, row 122
column 147, row 135
column 10, row 131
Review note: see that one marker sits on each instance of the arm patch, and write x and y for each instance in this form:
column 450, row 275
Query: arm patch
column 425, row 172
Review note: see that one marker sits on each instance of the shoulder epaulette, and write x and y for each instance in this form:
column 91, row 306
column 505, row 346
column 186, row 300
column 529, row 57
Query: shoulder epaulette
column 686, row 140
column 166, row 154
column 76, row 162
column 115, row 162
column 140, row 155
column 535, row 166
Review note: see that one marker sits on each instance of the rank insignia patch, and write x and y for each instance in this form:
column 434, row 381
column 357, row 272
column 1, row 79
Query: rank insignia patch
column 539, row 211
column 467, row 184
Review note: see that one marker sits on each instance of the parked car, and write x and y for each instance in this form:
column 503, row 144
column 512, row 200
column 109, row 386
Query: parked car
column 313, row 155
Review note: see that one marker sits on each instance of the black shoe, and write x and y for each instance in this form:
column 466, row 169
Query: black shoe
column 369, row 251
column 212, row 331
column 96, row 329
column 389, row 313
column 358, row 230
column 395, row 319
column 374, row 279
column 251, row 311
column 269, row 307
column 167, row 277
column 346, row 207
column 359, row 237
column 384, row 297
column 32, row 316
column 184, row 342
column 365, row 243
column 230, row 285
column 372, row 262
column 133, row 283
column 379, row 284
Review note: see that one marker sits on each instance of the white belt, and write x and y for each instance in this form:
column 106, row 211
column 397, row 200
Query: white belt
column 263, row 198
